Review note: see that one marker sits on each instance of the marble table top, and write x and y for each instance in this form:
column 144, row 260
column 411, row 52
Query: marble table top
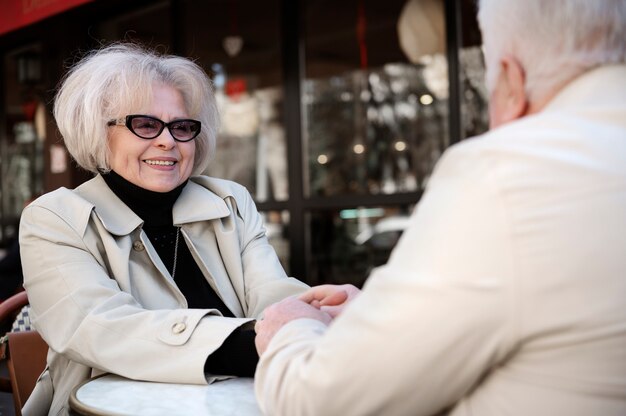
column 115, row 395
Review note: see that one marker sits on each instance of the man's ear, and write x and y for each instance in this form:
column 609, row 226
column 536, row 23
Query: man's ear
column 509, row 100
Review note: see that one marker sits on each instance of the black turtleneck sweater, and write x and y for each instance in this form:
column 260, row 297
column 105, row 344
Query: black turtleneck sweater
column 237, row 355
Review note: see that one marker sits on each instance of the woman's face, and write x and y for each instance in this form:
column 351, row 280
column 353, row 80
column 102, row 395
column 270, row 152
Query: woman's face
column 159, row 164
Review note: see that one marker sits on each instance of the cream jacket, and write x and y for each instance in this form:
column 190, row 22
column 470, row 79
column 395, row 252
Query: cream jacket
column 104, row 302
column 506, row 296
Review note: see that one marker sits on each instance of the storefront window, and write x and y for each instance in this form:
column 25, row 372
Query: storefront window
column 348, row 244
column 474, row 108
column 374, row 132
column 21, row 143
column 373, row 122
column 150, row 26
column 328, row 108
column 375, row 102
column 238, row 42
column 277, row 231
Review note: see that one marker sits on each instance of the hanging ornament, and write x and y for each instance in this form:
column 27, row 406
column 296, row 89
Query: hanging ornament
column 233, row 43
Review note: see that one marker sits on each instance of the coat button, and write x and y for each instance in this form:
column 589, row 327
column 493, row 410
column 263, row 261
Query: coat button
column 179, row 327
column 138, row 246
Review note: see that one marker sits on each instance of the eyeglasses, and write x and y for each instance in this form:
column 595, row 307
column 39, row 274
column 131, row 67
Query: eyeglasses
column 148, row 127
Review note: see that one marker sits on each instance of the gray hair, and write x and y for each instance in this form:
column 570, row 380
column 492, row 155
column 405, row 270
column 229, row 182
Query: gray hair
column 111, row 82
column 554, row 40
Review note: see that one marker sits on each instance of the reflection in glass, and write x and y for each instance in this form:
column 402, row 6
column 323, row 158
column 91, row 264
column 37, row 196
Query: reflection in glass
column 251, row 145
column 21, row 142
column 373, row 123
column 347, row 244
column 21, row 173
column 277, row 228
column 474, row 107
column 376, row 131
column 238, row 43
column 474, row 97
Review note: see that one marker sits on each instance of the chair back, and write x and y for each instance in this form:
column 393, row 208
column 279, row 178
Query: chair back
column 10, row 308
column 25, row 353
column 26, row 360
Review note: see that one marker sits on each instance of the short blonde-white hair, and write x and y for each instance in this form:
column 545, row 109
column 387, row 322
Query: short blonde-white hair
column 117, row 80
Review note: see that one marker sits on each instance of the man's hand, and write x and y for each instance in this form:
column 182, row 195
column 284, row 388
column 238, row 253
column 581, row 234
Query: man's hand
column 279, row 314
column 330, row 298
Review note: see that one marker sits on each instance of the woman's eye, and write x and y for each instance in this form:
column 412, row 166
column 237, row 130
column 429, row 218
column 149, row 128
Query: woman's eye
column 145, row 124
column 181, row 127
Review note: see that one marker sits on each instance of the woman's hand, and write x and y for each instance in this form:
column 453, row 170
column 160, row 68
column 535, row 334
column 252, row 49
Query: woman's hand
column 330, row 298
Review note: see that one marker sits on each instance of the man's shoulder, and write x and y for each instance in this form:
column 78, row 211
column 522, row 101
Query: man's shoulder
column 546, row 152
column 531, row 138
column 494, row 156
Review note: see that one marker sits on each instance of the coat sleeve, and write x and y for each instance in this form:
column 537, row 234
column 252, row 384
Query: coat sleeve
column 81, row 312
column 265, row 278
column 426, row 327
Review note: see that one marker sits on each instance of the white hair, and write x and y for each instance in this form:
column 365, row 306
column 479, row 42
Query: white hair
column 554, row 40
column 116, row 80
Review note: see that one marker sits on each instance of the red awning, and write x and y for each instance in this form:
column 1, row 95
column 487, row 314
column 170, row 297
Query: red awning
column 15, row 14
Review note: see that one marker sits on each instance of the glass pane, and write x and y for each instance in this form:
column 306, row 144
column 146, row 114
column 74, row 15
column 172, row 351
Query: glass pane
column 373, row 122
column 239, row 44
column 277, row 228
column 150, row 26
column 474, row 107
column 347, row 244
column 251, row 146
column 21, row 143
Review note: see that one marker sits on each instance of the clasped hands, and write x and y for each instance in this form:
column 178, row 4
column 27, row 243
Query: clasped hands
column 323, row 303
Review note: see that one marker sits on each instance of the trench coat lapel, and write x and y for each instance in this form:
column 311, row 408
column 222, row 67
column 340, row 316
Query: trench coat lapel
column 227, row 238
column 116, row 217
column 208, row 224
column 195, row 208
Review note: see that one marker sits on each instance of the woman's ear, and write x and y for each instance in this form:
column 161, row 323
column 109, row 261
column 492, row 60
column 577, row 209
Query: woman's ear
column 508, row 100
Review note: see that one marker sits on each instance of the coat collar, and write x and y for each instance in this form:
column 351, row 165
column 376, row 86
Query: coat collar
column 195, row 203
column 198, row 203
column 602, row 86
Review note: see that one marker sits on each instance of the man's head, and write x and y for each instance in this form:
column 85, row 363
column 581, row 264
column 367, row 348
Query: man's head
column 533, row 48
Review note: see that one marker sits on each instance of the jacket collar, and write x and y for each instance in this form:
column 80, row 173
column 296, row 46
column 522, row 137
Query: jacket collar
column 195, row 203
column 604, row 85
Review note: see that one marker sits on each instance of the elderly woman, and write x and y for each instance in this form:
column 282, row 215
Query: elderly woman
column 145, row 270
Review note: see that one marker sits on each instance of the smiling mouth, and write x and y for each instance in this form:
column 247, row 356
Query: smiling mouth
column 160, row 162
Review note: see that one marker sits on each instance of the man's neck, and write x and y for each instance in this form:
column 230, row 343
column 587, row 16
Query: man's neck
column 539, row 103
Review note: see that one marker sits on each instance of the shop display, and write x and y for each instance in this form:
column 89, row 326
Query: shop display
column 378, row 131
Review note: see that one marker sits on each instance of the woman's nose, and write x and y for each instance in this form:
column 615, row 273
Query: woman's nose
column 165, row 139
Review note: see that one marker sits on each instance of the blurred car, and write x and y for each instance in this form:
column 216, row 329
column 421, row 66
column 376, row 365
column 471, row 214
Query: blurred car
column 378, row 240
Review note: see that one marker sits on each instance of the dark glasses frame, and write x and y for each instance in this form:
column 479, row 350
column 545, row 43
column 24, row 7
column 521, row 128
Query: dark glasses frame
column 128, row 123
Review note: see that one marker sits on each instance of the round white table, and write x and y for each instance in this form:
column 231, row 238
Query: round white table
column 114, row 395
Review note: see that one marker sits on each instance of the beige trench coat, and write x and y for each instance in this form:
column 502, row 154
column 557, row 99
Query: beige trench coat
column 104, row 301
